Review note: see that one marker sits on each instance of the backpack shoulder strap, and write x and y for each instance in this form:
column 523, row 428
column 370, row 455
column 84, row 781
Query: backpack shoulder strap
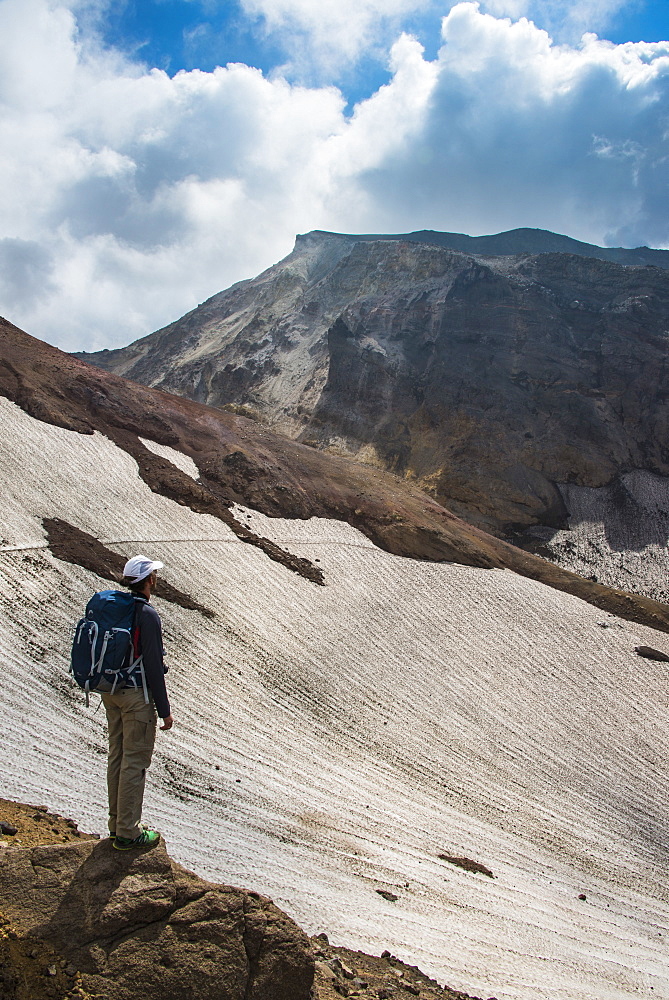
column 140, row 602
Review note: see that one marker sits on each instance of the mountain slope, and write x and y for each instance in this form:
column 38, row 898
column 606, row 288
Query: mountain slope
column 494, row 382
column 336, row 742
column 238, row 460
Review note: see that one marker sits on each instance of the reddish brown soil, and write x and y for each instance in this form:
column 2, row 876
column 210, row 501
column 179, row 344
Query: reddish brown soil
column 29, row 970
column 76, row 546
column 467, row 864
column 36, row 825
column 242, row 461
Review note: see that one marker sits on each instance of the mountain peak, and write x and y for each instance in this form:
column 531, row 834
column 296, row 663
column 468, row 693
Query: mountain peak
column 512, row 242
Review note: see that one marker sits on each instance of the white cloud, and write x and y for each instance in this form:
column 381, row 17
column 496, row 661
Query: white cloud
column 566, row 20
column 571, row 20
column 127, row 196
column 145, row 193
column 321, row 37
column 514, row 133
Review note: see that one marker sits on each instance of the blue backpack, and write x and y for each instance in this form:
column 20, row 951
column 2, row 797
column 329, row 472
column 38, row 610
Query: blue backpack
column 106, row 643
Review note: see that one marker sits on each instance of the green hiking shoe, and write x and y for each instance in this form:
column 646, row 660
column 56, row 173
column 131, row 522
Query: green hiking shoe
column 147, row 838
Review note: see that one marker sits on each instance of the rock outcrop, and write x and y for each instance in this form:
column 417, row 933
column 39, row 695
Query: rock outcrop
column 489, row 380
column 138, row 925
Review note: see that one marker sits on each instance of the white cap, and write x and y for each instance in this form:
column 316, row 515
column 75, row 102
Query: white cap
column 139, row 567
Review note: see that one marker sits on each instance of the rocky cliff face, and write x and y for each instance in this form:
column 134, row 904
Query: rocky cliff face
column 491, row 381
column 505, row 381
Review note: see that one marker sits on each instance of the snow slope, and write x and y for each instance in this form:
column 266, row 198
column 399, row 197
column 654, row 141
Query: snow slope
column 332, row 741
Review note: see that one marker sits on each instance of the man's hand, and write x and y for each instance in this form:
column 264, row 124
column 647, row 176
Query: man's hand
column 167, row 723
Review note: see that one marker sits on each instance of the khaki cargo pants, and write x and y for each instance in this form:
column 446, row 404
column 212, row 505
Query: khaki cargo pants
column 132, row 733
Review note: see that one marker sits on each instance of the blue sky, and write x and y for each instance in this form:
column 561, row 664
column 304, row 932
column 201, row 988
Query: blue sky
column 156, row 151
column 202, row 34
column 186, row 34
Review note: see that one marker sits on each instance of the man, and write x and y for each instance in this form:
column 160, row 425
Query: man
column 131, row 720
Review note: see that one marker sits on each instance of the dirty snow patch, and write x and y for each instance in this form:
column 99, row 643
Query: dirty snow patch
column 183, row 462
column 313, row 532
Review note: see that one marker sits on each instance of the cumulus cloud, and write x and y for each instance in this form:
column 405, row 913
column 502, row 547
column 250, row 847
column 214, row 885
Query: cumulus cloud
column 146, row 192
column 322, row 39
column 127, row 196
column 335, row 34
column 565, row 19
column 518, row 129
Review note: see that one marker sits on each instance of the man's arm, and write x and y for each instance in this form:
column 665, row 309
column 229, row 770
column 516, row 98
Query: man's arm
column 151, row 638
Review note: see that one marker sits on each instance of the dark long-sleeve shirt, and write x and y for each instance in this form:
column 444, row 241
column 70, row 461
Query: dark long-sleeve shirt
column 151, row 647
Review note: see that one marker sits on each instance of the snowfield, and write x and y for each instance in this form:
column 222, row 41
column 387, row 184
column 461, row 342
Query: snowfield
column 333, row 741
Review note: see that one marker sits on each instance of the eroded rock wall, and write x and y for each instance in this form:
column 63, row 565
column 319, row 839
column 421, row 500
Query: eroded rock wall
column 487, row 379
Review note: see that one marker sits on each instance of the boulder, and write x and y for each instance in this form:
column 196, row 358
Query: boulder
column 139, row 925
